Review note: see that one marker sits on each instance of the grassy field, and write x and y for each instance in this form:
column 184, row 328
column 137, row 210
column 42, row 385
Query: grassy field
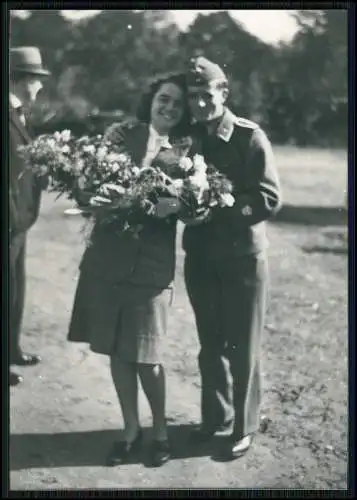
column 65, row 415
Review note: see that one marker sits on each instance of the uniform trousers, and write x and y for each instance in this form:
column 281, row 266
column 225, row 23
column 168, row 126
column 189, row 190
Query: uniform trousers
column 228, row 297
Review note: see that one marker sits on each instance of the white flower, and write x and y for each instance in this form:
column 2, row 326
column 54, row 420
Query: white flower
column 185, row 163
column 65, row 149
column 199, row 164
column 115, row 167
column 51, row 143
column 178, row 183
column 199, row 181
column 65, row 135
column 57, row 136
column 135, row 170
column 101, row 153
column 67, row 168
column 227, row 200
column 198, row 160
column 89, row 149
column 115, row 157
column 122, row 158
column 80, row 164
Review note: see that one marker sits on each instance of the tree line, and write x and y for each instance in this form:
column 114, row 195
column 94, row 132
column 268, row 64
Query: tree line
column 297, row 91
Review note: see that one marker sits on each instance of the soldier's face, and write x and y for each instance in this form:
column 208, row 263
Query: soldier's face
column 206, row 103
column 167, row 107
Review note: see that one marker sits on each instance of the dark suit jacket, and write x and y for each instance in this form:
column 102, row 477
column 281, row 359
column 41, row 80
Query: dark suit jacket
column 145, row 261
column 24, row 188
column 241, row 150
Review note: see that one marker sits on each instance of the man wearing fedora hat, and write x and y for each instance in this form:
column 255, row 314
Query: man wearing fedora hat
column 225, row 262
column 26, row 75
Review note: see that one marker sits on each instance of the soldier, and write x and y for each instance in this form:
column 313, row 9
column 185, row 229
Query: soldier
column 26, row 75
column 226, row 264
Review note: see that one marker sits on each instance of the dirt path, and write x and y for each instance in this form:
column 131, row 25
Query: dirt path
column 65, row 415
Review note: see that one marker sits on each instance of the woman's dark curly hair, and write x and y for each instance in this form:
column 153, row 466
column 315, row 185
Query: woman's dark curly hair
column 143, row 112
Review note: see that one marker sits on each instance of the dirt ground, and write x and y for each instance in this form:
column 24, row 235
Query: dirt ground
column 65, row 415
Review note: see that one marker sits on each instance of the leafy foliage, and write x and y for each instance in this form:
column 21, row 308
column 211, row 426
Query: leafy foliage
column 297, row 91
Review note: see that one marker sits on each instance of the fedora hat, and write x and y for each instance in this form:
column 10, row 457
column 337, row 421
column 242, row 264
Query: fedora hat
column 27, row 60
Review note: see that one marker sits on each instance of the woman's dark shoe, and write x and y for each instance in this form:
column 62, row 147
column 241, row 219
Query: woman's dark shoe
column 23, row 359
column 15, row 379
column 123, row 452
column 205, row 433
column 160, row 453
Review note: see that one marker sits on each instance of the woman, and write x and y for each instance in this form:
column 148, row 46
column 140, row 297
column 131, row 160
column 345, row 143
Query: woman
column 125, row 284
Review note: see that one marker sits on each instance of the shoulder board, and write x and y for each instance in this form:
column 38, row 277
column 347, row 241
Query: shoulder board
column 243, row 122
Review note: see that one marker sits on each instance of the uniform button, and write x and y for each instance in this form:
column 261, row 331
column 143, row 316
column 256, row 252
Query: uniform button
column 247, row 210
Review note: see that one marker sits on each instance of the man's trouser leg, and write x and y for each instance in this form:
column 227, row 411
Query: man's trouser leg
column 17, row 293
column 216, row 383
column 243, row 313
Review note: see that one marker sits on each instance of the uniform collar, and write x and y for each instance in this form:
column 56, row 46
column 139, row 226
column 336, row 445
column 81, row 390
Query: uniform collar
column 226, row 126
column 15, row 101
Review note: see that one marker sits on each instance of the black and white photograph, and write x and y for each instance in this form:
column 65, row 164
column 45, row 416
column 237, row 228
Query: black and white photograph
column 178, row 197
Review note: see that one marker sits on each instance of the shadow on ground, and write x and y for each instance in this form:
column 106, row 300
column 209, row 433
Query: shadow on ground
column 331, row 241
column 89, row 448
column 322, row 249
column 312, row 215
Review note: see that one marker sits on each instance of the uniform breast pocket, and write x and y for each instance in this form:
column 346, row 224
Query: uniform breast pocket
column 230, row 163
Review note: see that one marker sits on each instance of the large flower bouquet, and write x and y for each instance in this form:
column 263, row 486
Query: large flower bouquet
column 113, row 187
column 50, row 156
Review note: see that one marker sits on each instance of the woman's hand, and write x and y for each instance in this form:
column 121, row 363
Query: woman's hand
column 104, row 199
column 99, row 201
column 107, row 197
column 201, row 216
column 110, row 189
column 166, row 207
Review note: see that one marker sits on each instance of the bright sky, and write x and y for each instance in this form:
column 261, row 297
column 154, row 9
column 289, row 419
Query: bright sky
column 270, row 25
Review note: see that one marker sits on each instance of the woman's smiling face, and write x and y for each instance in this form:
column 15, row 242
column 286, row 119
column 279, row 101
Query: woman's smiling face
column 167, row 107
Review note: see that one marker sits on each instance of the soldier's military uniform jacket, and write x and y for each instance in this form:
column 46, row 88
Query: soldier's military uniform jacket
column 241, row 150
